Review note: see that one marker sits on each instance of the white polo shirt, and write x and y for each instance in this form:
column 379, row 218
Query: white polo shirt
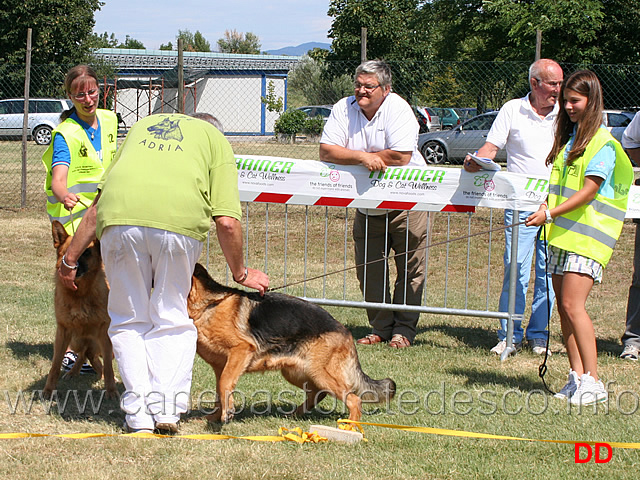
column 527, row 137
column 631, row 135
column 394, row 126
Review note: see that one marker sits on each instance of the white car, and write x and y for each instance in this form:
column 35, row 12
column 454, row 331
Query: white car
column 44, row 116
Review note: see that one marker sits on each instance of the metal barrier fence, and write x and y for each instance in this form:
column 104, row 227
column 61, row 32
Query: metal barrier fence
column 243, row 92
column 308, row 252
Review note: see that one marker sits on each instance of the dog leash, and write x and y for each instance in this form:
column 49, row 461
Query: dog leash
column 388, row 257
column 542, row 368
column 73, row 226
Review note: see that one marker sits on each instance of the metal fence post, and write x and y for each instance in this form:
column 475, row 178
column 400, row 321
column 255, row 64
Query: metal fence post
column 513, row 273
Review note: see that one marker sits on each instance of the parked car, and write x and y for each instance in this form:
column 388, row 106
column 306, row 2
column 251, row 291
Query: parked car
column 466, row 113
column 427, row 119
column 448, row 118
column 453, row 145
column 317, row 110
column 617, row 118
column 44, row 116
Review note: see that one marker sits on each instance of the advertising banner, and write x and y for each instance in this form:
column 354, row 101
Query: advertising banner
column 309, row 182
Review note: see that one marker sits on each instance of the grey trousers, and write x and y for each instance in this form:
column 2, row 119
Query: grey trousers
column 632, row 332
column 400, row 231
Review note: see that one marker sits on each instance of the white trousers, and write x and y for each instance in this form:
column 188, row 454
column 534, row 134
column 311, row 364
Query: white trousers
column 154, row 341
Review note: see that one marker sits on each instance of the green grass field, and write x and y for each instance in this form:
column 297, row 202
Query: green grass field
column 448, row 380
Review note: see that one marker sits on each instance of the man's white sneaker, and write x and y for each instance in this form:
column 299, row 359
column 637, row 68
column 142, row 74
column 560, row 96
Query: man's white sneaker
column 502, row 345
column 570, row 387
column 589, row 391
column 539, row 346
column 630, row 352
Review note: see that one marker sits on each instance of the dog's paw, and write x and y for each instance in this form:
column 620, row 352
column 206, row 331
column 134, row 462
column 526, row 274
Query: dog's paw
column 112, row 393
column 47, row 392
column 227, row 416
column 214, row 417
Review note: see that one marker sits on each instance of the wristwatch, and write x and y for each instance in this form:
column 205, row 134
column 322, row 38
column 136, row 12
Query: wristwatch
column 549, row 218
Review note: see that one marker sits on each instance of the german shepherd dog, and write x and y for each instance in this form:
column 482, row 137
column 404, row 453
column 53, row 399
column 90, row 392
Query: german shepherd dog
column 81, row 315
column 241, row 332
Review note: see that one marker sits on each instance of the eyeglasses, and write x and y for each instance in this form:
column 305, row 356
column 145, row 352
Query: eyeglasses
column 367, row 88
column 91, row 93
column 551, row 84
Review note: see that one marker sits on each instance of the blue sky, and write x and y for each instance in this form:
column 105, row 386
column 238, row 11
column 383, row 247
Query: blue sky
column 277, row 23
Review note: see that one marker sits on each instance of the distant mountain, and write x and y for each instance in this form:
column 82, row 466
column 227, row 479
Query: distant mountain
column 300, row 49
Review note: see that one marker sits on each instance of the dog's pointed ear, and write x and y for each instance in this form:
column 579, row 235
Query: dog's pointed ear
column 59, row 234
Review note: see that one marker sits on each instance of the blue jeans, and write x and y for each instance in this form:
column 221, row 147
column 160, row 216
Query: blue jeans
column 528, row 241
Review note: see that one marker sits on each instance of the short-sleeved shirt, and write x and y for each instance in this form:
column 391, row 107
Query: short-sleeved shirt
column 527, row 136
column 394, row 126
column 631, row 135
column 172, row 172
column 62, row 155
column 601, row 165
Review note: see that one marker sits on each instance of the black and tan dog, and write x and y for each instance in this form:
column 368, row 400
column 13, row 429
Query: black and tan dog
column 81, row 315
column 241, row 332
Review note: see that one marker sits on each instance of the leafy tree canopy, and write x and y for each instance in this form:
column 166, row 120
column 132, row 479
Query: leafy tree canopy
column 192, row 42
column 110, row 41
column 60, row 30
column 573, row 31
column 238, row 42
column 394, row 29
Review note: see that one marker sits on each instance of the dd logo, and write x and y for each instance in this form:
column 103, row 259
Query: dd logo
column 597, row 447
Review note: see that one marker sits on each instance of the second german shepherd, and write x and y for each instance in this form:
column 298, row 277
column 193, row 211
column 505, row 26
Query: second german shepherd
column 81, row 315
column 242, row 332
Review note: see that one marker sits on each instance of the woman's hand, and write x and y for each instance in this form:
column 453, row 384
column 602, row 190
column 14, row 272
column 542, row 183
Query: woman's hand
column 70, row 200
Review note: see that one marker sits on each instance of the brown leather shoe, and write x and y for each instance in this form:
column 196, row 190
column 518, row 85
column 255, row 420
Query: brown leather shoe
column 399, row 341
column 370, row 339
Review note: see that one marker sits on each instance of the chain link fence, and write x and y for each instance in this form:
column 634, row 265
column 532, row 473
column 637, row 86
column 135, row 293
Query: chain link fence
column 253, row 102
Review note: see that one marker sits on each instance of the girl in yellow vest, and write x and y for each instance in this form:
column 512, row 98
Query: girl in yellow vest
column 587, row 202
column 81, row 149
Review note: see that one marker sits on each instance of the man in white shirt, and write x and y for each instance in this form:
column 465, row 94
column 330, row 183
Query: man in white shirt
column 376, row 128
column 525, row 127
column 631, row 337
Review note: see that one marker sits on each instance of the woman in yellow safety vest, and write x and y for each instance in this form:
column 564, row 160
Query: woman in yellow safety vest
column 81, row 149
column 587, row 203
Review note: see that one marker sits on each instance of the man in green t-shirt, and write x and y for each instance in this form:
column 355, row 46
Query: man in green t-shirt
column 169, row 177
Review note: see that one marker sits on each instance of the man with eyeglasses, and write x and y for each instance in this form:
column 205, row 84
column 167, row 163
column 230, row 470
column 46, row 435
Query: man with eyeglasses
column 377, row 128
column 525, row 127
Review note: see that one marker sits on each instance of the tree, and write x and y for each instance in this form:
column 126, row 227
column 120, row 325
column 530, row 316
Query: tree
column 168, row 46
column 576, row 31
column 394, row 31
column 271, row 100
column 193, row 42
column 103, row 41
column 238, row 42
column 131, row 43
column 310, row 82
column 61, row 33
column 110, row 41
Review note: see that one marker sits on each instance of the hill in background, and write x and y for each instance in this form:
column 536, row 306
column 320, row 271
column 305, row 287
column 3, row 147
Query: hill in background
column 300, row 49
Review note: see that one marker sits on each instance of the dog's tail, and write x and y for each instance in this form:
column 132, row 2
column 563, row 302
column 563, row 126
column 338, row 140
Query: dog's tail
column 373, row 391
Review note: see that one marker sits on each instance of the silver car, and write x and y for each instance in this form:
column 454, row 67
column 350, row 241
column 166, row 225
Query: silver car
column 44, row 116
column 453, row 145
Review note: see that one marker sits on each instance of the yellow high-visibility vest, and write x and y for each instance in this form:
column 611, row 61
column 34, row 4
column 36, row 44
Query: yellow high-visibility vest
column 86, row 168
column 593, row 229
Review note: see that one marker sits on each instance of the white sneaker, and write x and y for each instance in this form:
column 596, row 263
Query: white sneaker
column 539, row 346
column 502, row 345
column 589, row 391
column 630, row 352
column 570, row 387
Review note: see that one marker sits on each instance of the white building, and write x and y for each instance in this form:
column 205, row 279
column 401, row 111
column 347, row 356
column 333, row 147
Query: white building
column 228, row 86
